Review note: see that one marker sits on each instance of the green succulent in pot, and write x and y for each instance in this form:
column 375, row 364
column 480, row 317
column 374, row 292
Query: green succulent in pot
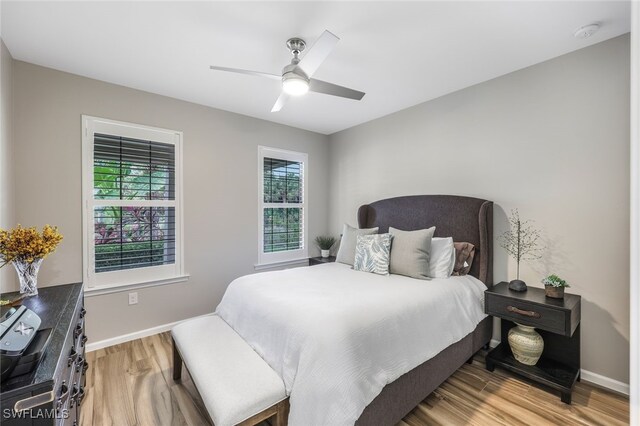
column 554, row 286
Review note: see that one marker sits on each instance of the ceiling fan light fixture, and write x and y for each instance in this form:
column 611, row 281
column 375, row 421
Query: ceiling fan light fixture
column 294, row 85
column 296, row 77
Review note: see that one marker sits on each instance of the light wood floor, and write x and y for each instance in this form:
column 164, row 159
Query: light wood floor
column 131, row 384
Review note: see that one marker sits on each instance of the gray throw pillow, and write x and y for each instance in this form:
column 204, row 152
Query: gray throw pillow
column 411, row 252
column 347, row 251
column 372, row 253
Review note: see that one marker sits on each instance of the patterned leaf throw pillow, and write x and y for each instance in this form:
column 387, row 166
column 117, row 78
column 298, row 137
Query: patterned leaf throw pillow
column 372, row 253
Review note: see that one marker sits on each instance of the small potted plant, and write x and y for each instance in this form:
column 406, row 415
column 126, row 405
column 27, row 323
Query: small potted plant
column 554, row 286
column 325, row 244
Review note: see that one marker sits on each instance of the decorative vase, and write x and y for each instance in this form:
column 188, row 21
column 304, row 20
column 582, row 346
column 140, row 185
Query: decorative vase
column 554, row 292
column 325, row 253
column 526, row 344
column 28, row 275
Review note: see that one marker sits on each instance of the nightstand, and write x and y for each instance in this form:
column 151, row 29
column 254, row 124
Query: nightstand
column 557, row 321
column 320, row 260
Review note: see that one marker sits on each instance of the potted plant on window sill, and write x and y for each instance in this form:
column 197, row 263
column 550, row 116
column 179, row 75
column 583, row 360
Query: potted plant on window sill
column 554, row 286
column 325, row 244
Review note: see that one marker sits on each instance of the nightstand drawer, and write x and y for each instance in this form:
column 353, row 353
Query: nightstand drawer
column 531, row 314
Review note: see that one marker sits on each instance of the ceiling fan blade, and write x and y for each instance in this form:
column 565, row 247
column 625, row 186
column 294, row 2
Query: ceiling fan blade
column 239, row 71
column 282, row 99
column 320, row 86
column 317, row 53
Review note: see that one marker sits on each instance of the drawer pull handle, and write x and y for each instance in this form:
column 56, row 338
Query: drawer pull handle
column 80, row 395
column 72, row 357
column 64, row 391
column 74, row 395
column 530, row 314
column 33, row 401
column 64, row 395
column 83, row 312
column 79, row 363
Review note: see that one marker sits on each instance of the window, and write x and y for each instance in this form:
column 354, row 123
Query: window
column 283, row 209
column 132, row 198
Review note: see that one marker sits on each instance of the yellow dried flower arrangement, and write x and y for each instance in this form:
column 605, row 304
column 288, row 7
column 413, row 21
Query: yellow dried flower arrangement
column 27, row 244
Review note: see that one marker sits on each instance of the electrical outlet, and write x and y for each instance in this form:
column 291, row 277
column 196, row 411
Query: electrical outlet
column 133, row 298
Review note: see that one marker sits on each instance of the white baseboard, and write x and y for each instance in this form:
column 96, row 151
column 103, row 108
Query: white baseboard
column 94, row 346
column 595, row 378
column 605, row 382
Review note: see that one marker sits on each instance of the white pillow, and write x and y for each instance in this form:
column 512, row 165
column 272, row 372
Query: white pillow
column 443, row 257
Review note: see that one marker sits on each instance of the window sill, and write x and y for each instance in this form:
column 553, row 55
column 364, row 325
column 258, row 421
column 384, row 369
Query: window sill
column 97, row 291
column 284, row 264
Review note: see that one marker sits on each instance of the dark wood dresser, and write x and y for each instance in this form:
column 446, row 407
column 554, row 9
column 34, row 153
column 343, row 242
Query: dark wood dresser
column 53, row 392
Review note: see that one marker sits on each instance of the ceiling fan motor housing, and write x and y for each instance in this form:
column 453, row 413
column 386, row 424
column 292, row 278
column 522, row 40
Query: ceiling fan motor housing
column 293, row 71
column 296, row 45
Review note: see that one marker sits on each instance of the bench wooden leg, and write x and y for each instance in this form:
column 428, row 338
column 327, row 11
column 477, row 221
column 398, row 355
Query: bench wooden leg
column 277, row 415
column 177, row 362
column 282, row 413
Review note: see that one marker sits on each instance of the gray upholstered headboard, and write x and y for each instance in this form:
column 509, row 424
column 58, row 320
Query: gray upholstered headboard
column 463, row 218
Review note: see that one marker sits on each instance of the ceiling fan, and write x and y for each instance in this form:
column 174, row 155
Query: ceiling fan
column 296, row 77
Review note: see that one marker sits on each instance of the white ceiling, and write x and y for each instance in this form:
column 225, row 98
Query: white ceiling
column 400, row 54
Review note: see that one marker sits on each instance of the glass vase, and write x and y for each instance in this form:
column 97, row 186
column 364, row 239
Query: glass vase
column 28, row 275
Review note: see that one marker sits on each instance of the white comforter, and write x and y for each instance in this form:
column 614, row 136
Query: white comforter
column 337, row 336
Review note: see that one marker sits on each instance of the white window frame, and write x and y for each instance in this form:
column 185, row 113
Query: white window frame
column 128, row 278
column 282, row 257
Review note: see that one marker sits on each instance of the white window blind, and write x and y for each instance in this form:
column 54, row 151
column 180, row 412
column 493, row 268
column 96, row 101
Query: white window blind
column 282, row 205
column 132, row 222
column 133, row 236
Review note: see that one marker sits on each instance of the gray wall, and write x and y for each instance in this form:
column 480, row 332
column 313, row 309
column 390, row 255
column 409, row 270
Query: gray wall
column 551, row 140
column 7, row 277
column 220, row 188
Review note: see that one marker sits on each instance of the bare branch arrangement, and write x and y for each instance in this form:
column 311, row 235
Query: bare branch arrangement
column 521, row 241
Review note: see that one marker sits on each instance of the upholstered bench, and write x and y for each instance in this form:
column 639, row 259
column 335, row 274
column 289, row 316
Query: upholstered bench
column 236, row 385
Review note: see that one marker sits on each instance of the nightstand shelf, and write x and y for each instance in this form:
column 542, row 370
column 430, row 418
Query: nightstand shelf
column 320, row 260
column 547, row 371
column 556, row 320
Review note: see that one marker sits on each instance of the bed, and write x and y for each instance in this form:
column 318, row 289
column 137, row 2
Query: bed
column 351, row 346
column 465, row 219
